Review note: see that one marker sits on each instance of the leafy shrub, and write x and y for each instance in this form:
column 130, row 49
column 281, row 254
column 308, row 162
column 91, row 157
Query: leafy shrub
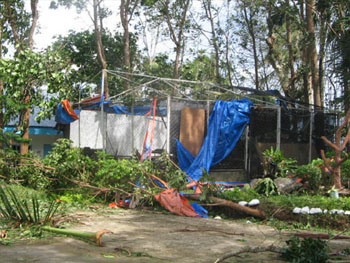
column 117, row 173
column 311, row 173
column 266, row 187
column 240, row 194
column 25, row 168
column 9, row 160
column 68, row 162
column 276, row 165
column 308, row 250
column 345, row 170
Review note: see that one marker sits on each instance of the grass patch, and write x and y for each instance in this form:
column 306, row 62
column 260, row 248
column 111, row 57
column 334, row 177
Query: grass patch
column 323, row 202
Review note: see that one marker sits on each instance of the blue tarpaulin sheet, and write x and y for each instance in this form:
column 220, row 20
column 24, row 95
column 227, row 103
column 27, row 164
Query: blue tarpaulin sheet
column 226, row 125
column 62, row 116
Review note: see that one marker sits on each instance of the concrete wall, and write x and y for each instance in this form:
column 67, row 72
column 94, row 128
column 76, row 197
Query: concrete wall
column 125, row 133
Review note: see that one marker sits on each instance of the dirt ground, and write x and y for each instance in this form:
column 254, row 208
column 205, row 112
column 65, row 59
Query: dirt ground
column 143, row 236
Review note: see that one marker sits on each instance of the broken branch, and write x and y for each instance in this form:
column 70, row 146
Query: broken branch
column 258, row 249
column 95, row 237
column 246, row 210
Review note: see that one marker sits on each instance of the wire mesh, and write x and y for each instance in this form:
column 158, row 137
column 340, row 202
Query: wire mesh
column 126, row 134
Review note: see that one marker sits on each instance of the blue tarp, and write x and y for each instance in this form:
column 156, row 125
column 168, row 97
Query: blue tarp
column 226, row 125
column 62, row 116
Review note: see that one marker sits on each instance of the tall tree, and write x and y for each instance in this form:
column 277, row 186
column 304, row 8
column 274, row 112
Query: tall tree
column 2, row 40
column 79, row 48
column 23, row 40
column 250, row 10
column 209, row 9
column 98, row 29
column 312, row 53
column 98, row 15
column 174, row 13
column 339, row 37
column 127, row 10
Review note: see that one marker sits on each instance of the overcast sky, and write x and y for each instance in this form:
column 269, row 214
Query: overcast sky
column 53, row 22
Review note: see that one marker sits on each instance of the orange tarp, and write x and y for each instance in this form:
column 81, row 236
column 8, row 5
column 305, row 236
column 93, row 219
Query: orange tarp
column 175, row 203
column 67, row 107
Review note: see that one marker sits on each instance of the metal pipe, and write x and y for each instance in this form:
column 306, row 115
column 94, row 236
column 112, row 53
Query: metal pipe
column 168, row 124
column 132, row 129
column 79, row 118
column 246, row 132
column 310, row 135
column 102, row 111
column 278, row 131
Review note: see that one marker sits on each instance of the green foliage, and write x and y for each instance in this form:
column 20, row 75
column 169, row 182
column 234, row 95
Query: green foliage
column 311, row 173
column 8, row 160
column 23, row 78
column 163, row 168
column 80, row 49
column 276, row 165
column 321, row 201
column 19, row 210
column 69, row 162
column 24, row 168
column 266, row 187
column 308, row 250
column 240, row 194
column 117, row 173
column 345, row 170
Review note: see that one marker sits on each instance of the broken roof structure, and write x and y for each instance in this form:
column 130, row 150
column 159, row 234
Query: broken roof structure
column 120, row 124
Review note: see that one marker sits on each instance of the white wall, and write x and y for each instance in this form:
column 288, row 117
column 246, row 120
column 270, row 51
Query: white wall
column 125, row 133
column 86, row 132
column 38, row 142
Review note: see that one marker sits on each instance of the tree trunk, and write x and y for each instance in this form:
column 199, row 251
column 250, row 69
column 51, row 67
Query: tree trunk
column 255, row 53
column 207, row 7
column 24, row 146
column 126, row 12
column 240, row 208
column 100, row 49
column 346, row 89
column 124, row 6
column 323, row 37
column 228, row 64
column 338, row 147
column 313, row 57
column 177, row 62
column 290, row 54
column 176, row 37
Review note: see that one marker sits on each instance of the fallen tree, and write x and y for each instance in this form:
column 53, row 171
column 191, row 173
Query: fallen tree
column 237, row 207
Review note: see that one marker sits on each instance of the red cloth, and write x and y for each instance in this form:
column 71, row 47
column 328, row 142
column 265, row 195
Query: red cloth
column 175, row 203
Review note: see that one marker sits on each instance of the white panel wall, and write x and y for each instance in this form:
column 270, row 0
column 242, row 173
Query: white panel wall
column 87, row 131
column 125, row 133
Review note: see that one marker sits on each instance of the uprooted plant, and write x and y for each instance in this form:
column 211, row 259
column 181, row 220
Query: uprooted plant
column 20, row 212
column 23, row 212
